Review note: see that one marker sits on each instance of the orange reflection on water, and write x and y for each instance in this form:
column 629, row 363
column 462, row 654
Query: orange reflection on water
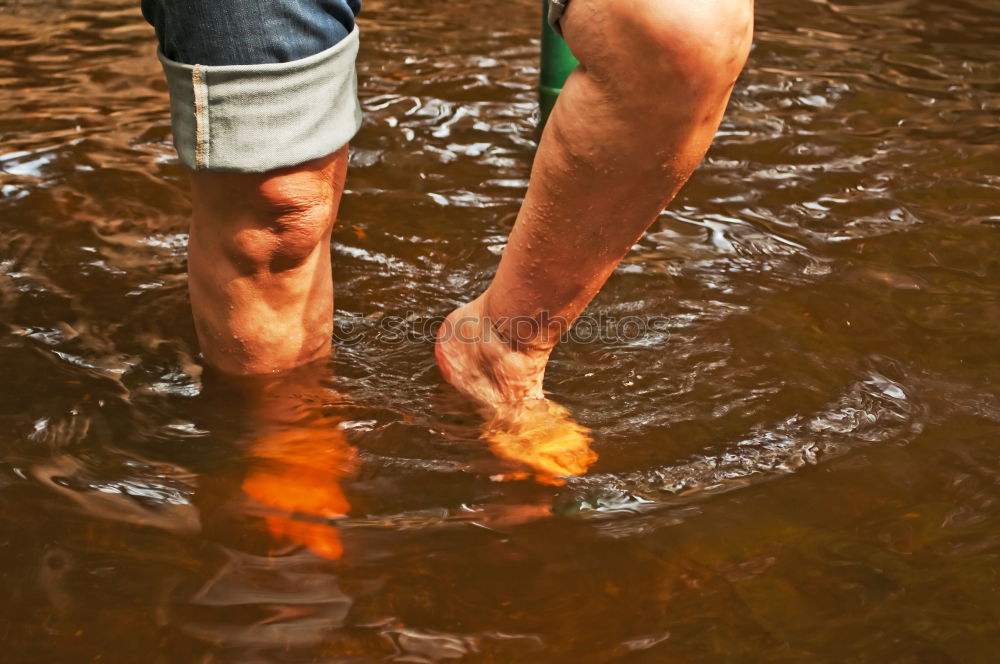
column 298, row 477
column 541, row 435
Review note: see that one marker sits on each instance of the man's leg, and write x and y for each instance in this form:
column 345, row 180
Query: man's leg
column 259, row 264
column 630, row 125
column 263, row 99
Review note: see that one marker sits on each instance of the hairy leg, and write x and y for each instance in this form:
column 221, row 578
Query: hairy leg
column 631, row 124
column 259, row 264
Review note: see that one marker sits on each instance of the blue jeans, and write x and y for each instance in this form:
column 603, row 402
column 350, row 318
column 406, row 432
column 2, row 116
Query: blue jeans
column 248, row 32
column 257, row 85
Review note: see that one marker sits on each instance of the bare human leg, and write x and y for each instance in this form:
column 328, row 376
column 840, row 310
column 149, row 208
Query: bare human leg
column 632, row 123
column 259, row 268
column 262, row 296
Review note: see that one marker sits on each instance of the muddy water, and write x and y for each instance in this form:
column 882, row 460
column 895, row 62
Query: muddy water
column 800, row 466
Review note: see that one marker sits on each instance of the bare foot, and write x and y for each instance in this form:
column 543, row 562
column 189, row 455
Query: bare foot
column 541, row 435
column 480, row 364
column 521, row 424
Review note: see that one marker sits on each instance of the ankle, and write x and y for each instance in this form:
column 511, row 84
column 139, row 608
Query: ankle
column 532, row 334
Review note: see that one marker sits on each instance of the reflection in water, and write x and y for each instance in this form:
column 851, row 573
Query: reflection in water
column 801, row 468
column 254, row 607
column 297, row 455
column 541, row 435
column 229, row 586
column 300, row 478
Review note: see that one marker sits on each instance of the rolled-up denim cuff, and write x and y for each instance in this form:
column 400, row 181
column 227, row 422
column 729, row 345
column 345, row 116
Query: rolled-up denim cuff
column 255, row 118
column 556, row 9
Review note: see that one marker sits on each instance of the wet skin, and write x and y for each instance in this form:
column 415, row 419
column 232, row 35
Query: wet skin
column 805, row 471
column 631, row 125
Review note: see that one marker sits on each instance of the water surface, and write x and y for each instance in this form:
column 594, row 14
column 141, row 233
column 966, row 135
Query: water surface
column 801, row 467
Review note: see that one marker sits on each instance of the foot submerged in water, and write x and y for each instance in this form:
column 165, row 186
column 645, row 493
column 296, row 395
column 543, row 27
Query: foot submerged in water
column 540, row 434
column 296, row 475
column 521, row 424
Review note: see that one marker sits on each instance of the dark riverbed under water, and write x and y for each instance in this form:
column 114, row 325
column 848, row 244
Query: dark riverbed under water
column 802, row 467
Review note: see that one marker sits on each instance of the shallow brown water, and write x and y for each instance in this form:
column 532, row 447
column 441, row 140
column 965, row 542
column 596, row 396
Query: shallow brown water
column 806, row 470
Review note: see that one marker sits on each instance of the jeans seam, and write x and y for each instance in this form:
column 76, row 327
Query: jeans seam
column 200, row 116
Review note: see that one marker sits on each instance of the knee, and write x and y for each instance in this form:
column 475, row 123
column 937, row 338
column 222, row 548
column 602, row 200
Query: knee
column 699, row 47
column 287, row 219
column 674, row 49
column 270, row 222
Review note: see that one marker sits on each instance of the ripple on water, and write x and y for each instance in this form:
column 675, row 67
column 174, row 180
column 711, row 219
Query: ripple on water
column 797, row 463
